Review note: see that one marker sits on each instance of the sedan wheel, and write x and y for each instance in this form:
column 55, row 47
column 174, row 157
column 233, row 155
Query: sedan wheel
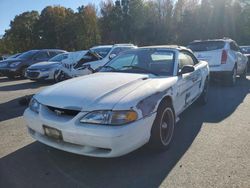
column 163, row 128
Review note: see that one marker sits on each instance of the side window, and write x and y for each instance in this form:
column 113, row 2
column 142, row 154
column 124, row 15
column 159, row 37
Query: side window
column 42, row 56
column 233, row 46
column 52, row 54
column 195, row 60
column 116, row 51
column 185, row 59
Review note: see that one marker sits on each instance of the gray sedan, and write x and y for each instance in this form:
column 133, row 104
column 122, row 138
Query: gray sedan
column 45, row 70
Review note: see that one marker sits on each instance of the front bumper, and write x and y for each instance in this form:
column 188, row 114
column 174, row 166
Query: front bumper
column 9, row 71
column 40, row 75
column 87, row 139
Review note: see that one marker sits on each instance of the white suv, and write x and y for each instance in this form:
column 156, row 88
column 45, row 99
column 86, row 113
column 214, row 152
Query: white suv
column 223, row 56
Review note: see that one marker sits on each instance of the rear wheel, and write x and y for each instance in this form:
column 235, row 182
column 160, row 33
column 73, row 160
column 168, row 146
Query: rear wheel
column 244, row 74
column 232, row 77
column 163, row 128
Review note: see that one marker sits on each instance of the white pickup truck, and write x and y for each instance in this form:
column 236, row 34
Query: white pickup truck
column 223, row 56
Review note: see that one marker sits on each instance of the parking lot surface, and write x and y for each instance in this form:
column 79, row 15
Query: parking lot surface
column 211, row 148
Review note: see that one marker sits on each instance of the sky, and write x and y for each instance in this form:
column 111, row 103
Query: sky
column 10, row 8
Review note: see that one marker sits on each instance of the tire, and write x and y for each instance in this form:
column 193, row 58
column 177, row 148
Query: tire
column 163, row 127
column 59, row 76
column 244, row 74
column 202, row 100
column 23, row 71
column 11, row 77
column 232, row 77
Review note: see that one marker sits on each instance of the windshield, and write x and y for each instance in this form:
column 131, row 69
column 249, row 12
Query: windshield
column 59, row 57
column 28, row 54
column 245, row 50
column 206, row 46
column 153, row 61
column 103, row 52
column 14, row 56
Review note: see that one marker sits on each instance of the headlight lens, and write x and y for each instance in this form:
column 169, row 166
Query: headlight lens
column 34, row 105
column 14, row 64
column 106, row 117
column 45, row 69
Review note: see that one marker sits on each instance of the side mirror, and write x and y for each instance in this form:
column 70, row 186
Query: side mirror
column 187, row 69
column 112, row 56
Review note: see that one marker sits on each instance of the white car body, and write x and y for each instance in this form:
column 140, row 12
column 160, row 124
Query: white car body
column 112, row 91
column 234, row 57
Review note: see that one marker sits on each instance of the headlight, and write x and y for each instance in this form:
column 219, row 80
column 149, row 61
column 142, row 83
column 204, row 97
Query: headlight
column 34, row 105
column 110, row 117
column 45, row 69
column 14, row 64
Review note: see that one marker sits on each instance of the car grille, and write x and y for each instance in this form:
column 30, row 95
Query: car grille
column 3, row 65
column 61, row 111
column 32, row 74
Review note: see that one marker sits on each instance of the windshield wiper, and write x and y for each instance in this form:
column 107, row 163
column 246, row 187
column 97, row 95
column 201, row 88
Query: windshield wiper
column 109, row 67
column 140, row 68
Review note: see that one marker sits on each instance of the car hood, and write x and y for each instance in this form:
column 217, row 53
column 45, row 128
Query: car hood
column 8, row 61
column 44, row 64
column 92, row 92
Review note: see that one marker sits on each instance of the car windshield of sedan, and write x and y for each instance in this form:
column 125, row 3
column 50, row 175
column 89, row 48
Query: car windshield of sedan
column 159, row 62
column 59, row 57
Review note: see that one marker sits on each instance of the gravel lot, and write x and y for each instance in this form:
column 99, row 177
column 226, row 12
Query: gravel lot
column 211, row 148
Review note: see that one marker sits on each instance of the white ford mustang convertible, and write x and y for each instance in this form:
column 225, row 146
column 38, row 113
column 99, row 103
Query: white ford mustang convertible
column 134, row 99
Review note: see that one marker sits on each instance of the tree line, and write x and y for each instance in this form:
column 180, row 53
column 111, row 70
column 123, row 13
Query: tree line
column 142, row 22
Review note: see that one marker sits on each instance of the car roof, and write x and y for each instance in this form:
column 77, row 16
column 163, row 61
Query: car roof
column 53, row 50
column 172, row 47
column 102, row 46
column 115, row 45
column 207, row 40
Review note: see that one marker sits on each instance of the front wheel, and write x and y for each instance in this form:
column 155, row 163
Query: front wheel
column 59, row 76
column 204, row 95
column 23, row 72
column 163, row 128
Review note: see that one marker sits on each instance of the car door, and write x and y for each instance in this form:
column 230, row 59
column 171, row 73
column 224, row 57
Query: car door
column 195, row 76
column 188, row 83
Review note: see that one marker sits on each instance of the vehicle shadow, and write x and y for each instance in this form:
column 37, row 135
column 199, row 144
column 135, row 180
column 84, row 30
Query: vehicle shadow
column 41, row 166
column 13, row 108
column 21, row 86
column 224, row 100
